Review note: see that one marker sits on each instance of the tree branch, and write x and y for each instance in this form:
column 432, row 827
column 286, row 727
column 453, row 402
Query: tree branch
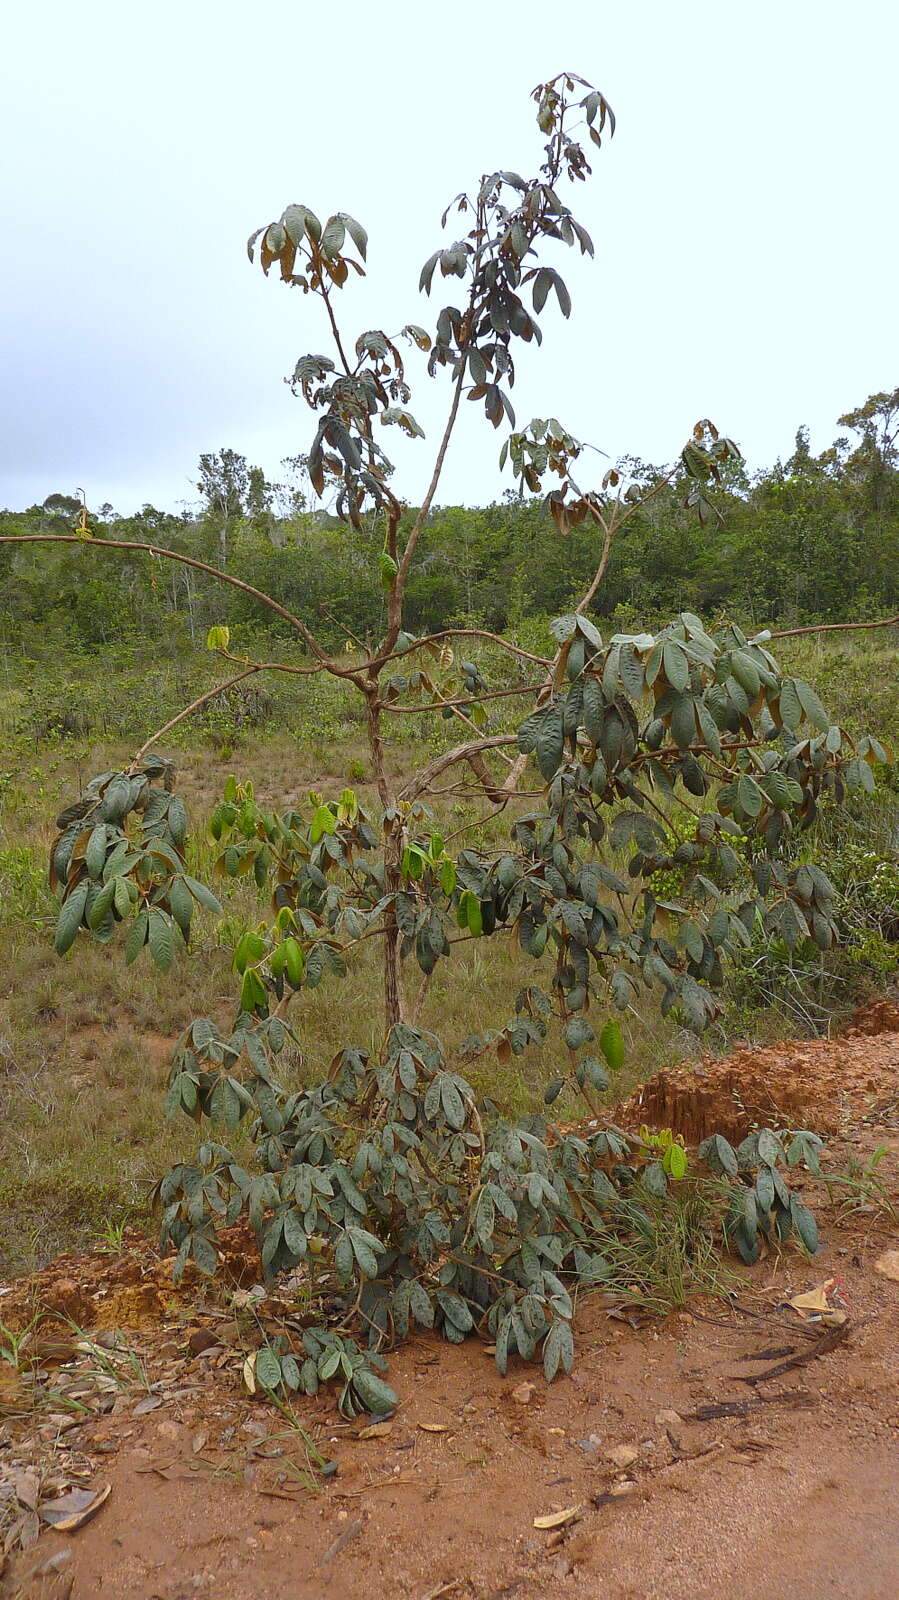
column 468, row 633
column 463, row 700
column 835, row 627
column 450, row 758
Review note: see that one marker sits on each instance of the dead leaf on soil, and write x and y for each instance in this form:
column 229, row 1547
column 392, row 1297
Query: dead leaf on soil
column 435, row 1427
column 559, row 1519
column 888, row 1265
column 375, row 1430
column 27, row 1488
column 826, row 1301
column 73, row 1510
column 150, row 1403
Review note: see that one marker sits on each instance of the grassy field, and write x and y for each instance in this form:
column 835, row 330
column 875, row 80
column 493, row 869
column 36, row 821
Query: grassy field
column 84, row 1043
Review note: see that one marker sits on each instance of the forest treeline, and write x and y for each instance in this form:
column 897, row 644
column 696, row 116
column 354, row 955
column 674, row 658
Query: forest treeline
column 812, row 537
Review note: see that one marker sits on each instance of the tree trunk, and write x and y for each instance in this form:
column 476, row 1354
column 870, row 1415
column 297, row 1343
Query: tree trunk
column 393, row 850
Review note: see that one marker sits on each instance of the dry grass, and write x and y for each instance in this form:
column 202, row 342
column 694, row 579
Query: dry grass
column 84, row 1041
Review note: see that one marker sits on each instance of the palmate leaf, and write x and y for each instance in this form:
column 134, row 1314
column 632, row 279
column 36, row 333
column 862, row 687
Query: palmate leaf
column 470, row 1221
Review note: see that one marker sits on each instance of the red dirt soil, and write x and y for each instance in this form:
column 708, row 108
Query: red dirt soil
column 802, row 1083
column 796, row 1494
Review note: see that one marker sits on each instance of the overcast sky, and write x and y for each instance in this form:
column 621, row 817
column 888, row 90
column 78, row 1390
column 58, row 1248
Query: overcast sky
column 744, row 218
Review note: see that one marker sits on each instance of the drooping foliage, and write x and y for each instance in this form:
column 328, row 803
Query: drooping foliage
column 680, row 757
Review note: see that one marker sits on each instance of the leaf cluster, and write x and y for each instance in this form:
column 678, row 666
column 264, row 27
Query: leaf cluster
column 119, row 856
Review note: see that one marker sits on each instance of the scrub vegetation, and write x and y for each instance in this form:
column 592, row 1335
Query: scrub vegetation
column 476, row 834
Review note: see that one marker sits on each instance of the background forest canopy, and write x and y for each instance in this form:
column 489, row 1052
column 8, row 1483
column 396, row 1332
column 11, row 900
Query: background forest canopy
column 812, row 537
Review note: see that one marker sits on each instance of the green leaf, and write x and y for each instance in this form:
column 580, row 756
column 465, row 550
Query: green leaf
column 745, row 671
column 267, row 1368
column 160, row 939
column 720, row 1155
column 290, row 1373
column 365, row 1255
column 558, row 1349
column 674, row 1161
column 182, row 905
column 811, row 705
column 70, row 917
column 95, row 850
column 683, row 721
column 333, row 235
column 294, row 222
column 203, row 896
column 377, row 1396
column 137, row 937
column 805, row 1225
column 790, row 704
column 611, row 1043
column 550, row 742
column 102, row 904
column 578, row 1032
column 452, row 1102
column 654, row 1180
column 770, row 1149
column 676, row 665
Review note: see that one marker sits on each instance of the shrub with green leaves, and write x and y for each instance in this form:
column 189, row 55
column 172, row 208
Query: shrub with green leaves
column 684, row 753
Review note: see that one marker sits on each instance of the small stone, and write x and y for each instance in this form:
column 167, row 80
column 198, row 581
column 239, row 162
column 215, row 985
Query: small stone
column 523, row 1394
column 622, row 1455
column 668, row 1419
column 888, row 1265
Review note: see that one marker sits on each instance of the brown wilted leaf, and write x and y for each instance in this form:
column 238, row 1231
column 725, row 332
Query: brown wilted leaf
column 73, row 1510
column 558, row 1519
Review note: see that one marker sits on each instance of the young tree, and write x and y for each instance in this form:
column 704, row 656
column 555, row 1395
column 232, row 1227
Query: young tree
column 684, row 752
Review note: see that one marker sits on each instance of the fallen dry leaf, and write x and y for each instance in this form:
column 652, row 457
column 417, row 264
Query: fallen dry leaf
column 150, row 1403
column 434, row 1427
column 27, row 1488
column 375, row 1430
column 558, row 1519
column 74, row 1509
column 823, row 1298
